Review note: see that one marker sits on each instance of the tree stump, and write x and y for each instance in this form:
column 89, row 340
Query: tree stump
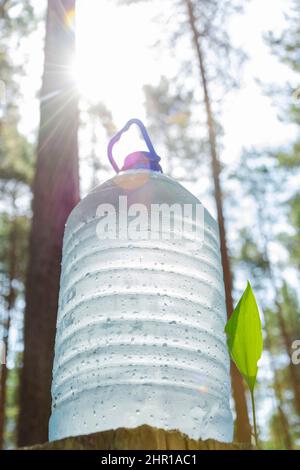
column 141, row 438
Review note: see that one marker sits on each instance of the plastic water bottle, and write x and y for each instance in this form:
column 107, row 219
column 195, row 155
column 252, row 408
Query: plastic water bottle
column 141, row 318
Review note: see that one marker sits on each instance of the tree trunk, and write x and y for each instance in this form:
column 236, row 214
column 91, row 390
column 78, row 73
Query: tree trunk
column 141, row 438
column 285, row 435
column 55, row 193
column 284, row 428
column 287, row 341
column 3, row 400
column 10, row 302
column 243, row 429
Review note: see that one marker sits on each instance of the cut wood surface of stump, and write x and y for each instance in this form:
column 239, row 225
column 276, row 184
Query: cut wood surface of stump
column 141, row 438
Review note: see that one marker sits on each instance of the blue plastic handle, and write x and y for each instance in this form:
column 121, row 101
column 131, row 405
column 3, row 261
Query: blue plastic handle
column 152, row 154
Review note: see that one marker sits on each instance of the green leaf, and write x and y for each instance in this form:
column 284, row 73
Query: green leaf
column 244, row 336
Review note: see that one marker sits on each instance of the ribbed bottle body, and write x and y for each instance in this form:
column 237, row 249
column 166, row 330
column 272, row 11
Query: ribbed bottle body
column 140, row 328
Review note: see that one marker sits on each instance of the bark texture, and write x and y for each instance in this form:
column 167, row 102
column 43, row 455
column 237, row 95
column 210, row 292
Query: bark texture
column 141, row 438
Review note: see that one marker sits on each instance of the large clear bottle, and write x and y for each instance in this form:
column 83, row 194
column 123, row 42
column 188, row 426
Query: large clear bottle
column 140, row 328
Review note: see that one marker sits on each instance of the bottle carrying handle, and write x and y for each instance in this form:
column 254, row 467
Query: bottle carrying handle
column 152, row 154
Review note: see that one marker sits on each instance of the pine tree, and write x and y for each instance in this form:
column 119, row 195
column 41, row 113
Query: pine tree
column 16, row 163
column 261, row 179
column 55, row 192
column 205, row 22
column 243, row 431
